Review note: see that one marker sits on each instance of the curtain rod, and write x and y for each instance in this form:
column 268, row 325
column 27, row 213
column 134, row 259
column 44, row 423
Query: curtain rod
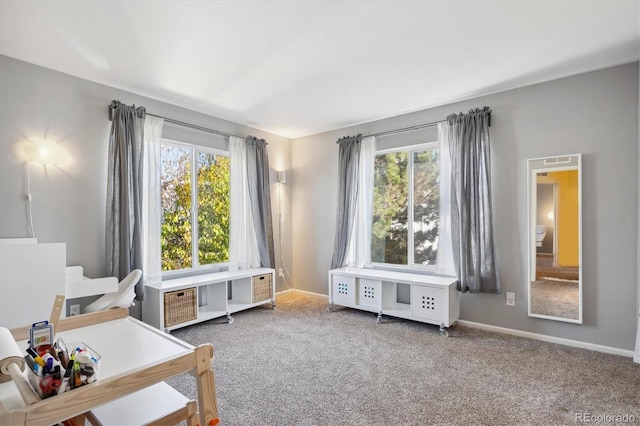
column 194, row 126
column 406, row 129
column 181, row 123
column 411, row 128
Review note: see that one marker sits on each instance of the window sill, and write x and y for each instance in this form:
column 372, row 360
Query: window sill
column 433, row 271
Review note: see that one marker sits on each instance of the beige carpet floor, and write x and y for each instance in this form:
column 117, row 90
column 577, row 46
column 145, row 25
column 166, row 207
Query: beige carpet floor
column 302, row 365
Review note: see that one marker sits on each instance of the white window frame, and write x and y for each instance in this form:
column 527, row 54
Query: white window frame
column 195, row 265
column 410, row 266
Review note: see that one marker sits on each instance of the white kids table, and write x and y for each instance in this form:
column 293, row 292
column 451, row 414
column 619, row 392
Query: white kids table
column 134, row 356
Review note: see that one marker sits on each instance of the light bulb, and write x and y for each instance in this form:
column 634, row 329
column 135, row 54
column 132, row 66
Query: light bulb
column 46, row 153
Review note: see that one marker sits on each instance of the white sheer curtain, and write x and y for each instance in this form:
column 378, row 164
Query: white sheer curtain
column 444, row 260
column 151, row 207
column 359, row 251
column 243, row 245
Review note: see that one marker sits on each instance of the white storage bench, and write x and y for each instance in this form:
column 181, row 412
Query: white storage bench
column 426, row 298
column 179, row 302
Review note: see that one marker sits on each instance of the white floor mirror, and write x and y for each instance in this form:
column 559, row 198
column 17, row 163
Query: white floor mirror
column 555, row 237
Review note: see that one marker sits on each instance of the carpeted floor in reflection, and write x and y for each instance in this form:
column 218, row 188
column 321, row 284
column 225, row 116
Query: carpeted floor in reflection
column 555, row 298
column 302, row 365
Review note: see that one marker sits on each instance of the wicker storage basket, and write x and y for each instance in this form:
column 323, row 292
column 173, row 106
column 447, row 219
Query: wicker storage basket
column 262, row 288
column 180, row 306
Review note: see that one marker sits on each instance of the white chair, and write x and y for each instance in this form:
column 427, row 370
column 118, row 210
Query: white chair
column 123, row 298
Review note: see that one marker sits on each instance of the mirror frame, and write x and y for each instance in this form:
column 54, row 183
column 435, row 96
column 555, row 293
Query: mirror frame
column 555, row 163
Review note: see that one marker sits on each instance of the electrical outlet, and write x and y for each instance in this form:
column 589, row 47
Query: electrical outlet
column 280, row 273
column 511, row 298
column 74, row 310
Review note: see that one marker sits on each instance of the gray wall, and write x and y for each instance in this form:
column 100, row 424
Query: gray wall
column 69, row 202
column 595, row 114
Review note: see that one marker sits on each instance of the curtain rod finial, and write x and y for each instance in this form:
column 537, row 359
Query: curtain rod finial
column 112, row 106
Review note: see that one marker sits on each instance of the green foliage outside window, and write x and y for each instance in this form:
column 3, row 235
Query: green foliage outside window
column 391, row 207
column 426, row 206
column 213, row 208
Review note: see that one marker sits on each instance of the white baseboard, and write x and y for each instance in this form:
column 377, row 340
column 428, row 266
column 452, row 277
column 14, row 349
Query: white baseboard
column 313, row 294
column 550, row 339
column 293, row 290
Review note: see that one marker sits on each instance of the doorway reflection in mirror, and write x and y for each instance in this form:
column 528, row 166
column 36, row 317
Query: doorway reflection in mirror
column 554, row 285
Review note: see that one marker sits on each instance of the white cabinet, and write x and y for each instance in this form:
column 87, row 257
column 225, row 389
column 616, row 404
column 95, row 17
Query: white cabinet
column 429, row 303
column 425, row 298
column 178, row 302
column 31, row 276
column 370, row 293
column 343, row 289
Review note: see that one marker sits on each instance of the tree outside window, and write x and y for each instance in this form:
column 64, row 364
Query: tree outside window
column 194, row 233
column 406, row 206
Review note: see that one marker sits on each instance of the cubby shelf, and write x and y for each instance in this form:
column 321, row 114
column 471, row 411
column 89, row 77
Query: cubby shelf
column 219, row 294
column 426, row 298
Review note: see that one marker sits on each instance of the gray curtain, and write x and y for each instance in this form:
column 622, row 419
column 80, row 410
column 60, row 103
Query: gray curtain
column 348, row 164
column 124, row 193
column 260, row 196
column 471, row 219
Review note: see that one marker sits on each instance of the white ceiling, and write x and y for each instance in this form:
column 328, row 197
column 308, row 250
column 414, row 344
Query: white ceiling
column 296, row 68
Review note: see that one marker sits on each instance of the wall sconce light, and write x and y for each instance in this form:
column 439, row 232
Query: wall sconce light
column 282, row 177
column 46, row 153
column 550, row 215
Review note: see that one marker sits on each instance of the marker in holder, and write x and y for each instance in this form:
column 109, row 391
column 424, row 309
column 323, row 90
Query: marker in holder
column 54, row 377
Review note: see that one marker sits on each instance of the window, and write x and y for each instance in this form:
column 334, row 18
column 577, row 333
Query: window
column 406, row 206
column 195, row 205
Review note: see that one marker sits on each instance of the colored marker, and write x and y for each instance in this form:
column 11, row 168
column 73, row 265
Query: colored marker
column 36, row 357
